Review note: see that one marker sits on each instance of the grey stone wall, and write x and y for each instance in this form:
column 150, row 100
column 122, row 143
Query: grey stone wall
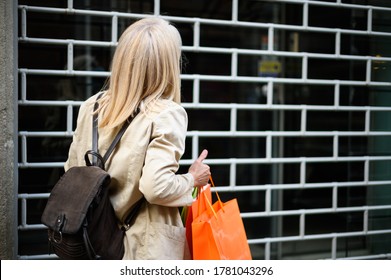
column 8, row 129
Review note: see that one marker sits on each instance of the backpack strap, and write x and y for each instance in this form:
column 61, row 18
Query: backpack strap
column 95, row 137
column 97, row 159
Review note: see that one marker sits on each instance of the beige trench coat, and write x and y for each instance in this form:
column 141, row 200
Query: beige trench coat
column 145, row 162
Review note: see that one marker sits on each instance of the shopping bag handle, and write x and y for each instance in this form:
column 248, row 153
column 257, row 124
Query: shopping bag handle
column 217, row 194
column 210, row 205
column 209, row 202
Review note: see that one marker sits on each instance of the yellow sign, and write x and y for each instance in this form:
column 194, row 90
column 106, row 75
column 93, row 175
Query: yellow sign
column 269, row 68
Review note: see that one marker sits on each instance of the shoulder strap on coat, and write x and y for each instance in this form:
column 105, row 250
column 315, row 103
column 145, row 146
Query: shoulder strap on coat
column 97, row 159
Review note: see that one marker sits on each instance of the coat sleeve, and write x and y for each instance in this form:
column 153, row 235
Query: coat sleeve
column 80, row 137
column 159, row 182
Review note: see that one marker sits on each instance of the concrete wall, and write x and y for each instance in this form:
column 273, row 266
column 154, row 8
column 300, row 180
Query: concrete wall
column 8, row 129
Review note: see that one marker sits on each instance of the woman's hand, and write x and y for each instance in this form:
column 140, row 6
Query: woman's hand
column 200, row 170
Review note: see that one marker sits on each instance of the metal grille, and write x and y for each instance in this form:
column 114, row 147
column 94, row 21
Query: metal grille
column 273, row 90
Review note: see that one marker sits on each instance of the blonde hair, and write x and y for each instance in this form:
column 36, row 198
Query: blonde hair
column 145, row 67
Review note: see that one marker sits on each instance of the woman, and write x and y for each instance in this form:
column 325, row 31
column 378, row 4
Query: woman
column 145, row 77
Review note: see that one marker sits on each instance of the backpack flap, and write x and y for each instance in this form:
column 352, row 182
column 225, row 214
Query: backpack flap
column 71, row 197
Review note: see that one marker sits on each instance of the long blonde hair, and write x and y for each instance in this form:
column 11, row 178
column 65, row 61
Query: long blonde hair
column 145, row 67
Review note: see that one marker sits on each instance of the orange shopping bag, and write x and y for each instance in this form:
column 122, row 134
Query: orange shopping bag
column 197, row 207
column 218, row 232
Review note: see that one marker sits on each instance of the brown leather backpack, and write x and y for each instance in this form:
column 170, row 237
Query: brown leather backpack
column 80, row 218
